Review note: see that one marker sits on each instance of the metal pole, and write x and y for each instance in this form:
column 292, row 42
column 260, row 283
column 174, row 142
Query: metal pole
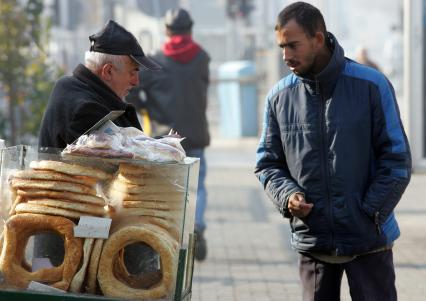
column 413, row 79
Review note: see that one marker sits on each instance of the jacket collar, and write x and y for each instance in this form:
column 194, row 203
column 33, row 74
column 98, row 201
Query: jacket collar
column 325, row 81
column 108, row 96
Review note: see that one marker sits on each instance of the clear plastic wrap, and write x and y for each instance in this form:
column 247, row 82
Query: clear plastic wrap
column 148, row 251
column 111, row 141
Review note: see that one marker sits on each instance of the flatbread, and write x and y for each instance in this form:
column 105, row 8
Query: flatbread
column 136, row 189
column 74, row 206
column 51, row 185
column 168, row 170
column 35, row 208
column 133, row 169
column 153, row 205
column 53, row 176
column 169, row 214
column 64, row 195
column 148, row 179
column 70, row 168
column 173, row 196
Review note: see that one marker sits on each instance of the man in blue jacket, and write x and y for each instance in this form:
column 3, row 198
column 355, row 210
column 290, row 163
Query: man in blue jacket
column 334, row 159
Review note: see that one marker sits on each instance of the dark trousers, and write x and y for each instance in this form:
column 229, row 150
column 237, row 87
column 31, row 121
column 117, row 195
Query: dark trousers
column 371, row 277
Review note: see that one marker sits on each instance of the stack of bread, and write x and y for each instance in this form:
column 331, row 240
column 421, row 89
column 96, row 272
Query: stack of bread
column 113, row 276
column 150, row 200
column 57, row 188
column 50, row 196
column 151, row 191
column 149, row 203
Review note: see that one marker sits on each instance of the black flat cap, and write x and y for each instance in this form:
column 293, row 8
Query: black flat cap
column 114, row 39
column 178, row 19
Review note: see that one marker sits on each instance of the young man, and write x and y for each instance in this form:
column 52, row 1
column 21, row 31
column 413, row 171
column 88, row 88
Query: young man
column 94, row 89
column 178, row 99
column 334, row 159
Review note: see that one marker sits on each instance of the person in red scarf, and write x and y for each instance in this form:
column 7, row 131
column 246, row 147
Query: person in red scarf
column 177, row 98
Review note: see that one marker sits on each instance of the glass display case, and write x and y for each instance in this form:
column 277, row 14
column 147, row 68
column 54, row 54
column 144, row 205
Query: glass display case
column 84, row 227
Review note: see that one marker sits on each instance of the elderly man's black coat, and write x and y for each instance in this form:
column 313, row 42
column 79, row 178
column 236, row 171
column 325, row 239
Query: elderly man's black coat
column 77, row 102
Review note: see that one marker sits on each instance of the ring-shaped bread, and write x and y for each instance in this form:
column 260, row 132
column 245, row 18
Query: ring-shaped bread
column 153, row 236
column 18, row 229
column 144, row 280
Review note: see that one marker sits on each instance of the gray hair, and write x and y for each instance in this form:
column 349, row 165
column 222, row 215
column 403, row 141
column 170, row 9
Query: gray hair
column 95, row 60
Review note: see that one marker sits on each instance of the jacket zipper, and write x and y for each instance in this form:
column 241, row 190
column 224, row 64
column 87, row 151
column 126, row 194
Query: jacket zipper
column 377, row 222
column 324, row 162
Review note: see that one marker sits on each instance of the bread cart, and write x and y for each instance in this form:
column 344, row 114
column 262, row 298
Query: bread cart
column 98, row 207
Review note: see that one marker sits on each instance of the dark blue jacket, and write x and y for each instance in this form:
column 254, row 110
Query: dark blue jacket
column 338, row 139
column 177, row 97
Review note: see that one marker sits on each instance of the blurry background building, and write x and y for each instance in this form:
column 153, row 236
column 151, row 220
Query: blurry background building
column 242, row 30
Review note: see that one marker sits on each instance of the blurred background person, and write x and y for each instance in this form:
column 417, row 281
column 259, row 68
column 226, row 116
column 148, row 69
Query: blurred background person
column 177, row 99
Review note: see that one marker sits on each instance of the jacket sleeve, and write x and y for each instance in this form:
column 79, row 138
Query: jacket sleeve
column 271, row 166
column 392, row 158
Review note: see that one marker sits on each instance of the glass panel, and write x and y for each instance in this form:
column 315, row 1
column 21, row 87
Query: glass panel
column 151, row 205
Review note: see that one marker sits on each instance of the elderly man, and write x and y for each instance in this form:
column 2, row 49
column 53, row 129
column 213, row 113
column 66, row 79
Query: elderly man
column 94, row 89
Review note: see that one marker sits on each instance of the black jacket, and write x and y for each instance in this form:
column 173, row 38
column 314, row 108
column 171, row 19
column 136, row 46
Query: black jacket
column 177, row 96
column 338, row 139
column 77, row 102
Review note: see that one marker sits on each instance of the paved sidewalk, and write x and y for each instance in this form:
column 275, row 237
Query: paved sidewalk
column 249, row 254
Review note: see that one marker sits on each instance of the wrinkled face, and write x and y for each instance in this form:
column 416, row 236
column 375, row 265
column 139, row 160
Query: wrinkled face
column 123, row 78
column 299, row 49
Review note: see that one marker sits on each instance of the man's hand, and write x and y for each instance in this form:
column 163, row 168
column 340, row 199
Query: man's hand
column 297, row 205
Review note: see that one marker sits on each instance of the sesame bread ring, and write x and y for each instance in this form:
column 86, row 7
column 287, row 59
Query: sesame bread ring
column 70, row 168
column 154, row 188
column 92, row 270
column 144, row 280
column 65, row 195
column 172, row 196
column 52, row 185
column 78, row 278
column 53, row 176
column 40, row 209
column 74, row 206
column 173, row 171
column 148, row 180
column 166, row 214
column 111, row 286
column 18, row 229
column 123, row 220
column 153, row 204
